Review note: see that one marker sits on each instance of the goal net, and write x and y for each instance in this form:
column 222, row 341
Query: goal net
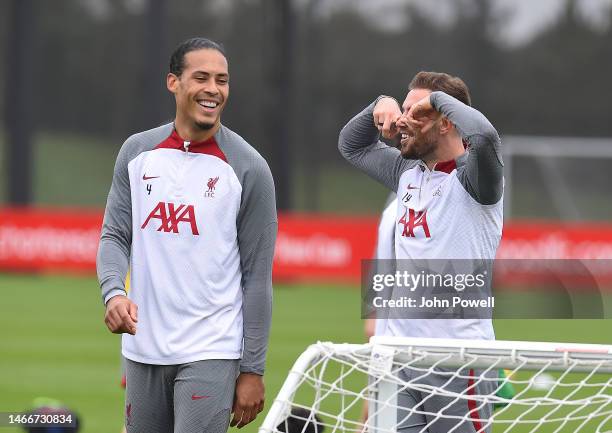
column 435, row 385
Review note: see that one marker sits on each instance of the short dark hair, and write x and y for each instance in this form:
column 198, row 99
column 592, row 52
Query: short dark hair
column 439, row 81
column 177, row 59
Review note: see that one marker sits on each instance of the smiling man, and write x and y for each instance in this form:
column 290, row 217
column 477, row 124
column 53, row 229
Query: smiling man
column 192, row 211
column 448, row 175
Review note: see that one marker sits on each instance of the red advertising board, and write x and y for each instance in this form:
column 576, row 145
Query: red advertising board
column 323, row 247
column 34, row 239
column 309, row 246
column 555, row 240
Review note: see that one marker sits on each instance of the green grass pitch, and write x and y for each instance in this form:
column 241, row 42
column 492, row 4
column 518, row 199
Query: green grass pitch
column 54, row 343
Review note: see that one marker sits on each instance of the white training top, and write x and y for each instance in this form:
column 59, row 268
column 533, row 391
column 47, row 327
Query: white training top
column 198, row 220
column 454, row 211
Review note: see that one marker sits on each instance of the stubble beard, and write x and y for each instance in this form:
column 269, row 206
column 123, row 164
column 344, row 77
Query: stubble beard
column 422, row 147
column 204, row 126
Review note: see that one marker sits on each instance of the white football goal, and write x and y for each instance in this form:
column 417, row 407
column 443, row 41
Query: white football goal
column 433, row 385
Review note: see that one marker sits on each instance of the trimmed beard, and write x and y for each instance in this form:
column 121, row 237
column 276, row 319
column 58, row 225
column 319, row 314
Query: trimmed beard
column 204, row 126
column 427, row 145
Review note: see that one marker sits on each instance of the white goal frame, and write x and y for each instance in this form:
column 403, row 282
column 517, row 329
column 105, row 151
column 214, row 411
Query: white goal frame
column 447, row 352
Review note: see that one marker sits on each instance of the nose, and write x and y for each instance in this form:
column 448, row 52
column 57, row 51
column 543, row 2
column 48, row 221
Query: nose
column 210, row 87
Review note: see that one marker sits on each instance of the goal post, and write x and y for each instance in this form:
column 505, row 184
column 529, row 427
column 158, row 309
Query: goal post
column 559, row 387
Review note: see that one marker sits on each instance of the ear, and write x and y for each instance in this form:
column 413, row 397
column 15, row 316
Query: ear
column 446, row 126
column 172, row 82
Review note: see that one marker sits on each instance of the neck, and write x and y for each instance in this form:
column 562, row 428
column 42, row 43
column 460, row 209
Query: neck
column 448, row 149
column 187, row 130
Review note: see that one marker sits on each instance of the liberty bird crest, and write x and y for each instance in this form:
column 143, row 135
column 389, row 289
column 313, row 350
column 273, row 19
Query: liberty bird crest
column 211, row 183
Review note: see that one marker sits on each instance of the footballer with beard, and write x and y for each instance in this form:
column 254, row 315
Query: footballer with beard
column 447, row 172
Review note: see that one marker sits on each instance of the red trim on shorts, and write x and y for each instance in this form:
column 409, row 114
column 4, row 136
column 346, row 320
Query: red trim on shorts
column 472, row 403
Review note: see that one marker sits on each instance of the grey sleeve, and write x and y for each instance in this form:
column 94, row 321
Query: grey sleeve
column 115, row 241
column 482, row 175
column 257, row 224
column 359, row 144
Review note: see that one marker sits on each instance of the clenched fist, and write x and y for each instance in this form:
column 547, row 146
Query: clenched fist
column 121, row 315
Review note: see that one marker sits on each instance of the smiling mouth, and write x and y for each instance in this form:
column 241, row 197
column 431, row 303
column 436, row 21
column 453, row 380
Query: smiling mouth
column 406, row 137
column 208, row 105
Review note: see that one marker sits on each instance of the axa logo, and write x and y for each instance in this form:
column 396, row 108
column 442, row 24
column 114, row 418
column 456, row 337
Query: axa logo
column 413, row 219
column 171, row 216
column 211, row 184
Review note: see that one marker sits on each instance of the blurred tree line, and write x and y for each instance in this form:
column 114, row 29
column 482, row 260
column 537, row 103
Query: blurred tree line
column 99, row 69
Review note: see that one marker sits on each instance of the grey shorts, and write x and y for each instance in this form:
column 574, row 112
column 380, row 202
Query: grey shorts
column 435, row 411
column 189, row 398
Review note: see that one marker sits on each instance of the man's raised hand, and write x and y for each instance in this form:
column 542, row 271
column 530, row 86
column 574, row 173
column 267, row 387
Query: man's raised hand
column 421, row 116
column 386, row 113
column 121, row 315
